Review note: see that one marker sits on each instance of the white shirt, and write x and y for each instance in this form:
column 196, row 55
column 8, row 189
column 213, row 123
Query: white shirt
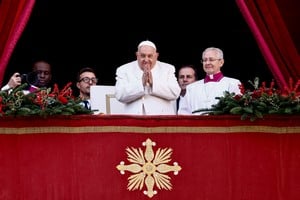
column 200, row 95
column 86, row 103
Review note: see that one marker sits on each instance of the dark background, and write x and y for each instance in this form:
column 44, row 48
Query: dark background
column 71, row 35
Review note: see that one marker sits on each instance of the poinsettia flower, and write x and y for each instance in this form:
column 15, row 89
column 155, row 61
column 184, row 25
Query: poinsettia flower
column 62, row 99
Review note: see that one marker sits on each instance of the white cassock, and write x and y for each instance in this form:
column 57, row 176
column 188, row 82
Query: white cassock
column 140, row 100
column 200, row 95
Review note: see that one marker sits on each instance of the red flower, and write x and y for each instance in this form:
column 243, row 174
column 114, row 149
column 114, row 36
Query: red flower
column 62, row 99
column 242, row 89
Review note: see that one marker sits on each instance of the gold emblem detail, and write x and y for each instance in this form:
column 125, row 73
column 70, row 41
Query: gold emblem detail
column 149, row 169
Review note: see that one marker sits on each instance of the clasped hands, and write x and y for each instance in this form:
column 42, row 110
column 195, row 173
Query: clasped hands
column 147, row 77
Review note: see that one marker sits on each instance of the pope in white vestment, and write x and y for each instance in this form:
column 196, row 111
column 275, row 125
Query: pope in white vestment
column 147, row 86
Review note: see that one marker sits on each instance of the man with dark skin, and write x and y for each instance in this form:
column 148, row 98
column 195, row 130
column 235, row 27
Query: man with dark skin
column 41, row 71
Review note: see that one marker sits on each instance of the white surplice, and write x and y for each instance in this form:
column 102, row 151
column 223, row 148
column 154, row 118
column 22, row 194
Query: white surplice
column 200, row 95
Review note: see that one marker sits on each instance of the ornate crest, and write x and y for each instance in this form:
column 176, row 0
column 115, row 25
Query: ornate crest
column 148, row 168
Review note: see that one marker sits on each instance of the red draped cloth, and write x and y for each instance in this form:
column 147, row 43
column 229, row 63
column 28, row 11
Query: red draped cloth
column 221, row 157
column 275, row 26
column 14, row 15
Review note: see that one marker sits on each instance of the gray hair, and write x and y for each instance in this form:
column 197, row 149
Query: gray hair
column 217, row 50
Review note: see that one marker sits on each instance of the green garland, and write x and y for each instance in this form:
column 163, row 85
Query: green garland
column 43, row 102
column 258, row 102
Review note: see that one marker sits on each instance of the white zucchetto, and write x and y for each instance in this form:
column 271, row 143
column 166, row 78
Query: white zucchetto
column 147, row 43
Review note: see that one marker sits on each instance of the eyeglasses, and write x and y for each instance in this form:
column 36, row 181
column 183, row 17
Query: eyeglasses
column 210, row 60
column 87, row 80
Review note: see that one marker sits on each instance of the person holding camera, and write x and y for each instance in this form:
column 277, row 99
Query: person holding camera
column 40, row 76
column 14, row 81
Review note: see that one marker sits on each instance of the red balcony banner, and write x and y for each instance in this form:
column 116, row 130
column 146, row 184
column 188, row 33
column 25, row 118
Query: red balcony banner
column 158, row 157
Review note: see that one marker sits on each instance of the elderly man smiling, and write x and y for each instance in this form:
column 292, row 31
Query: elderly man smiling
column 147, row 86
